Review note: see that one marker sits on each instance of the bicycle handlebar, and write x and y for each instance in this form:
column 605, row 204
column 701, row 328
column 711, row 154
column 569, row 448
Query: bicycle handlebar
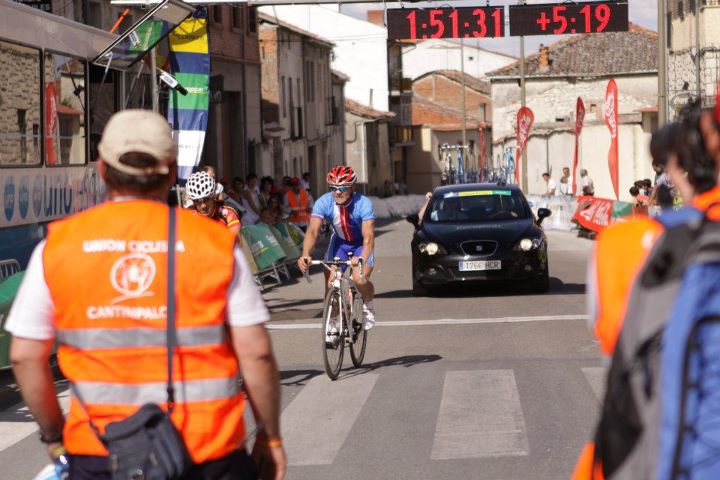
column 331, row 263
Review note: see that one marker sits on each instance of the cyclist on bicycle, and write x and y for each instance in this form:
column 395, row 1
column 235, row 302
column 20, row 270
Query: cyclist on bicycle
column 203, row 190
column 352, row 217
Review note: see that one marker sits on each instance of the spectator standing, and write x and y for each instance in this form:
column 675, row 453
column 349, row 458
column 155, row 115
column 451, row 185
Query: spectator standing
column 266, row 186
column 564, row 186
column 250, row 200
column 305, row 182
column 664, row 192
column 586, row 183
column 96, row 322
column 568, row 181
column 272, row 214
column 298, row 204
column 552, row 189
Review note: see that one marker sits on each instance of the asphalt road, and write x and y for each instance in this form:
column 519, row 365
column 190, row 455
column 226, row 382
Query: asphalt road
column 483, row 383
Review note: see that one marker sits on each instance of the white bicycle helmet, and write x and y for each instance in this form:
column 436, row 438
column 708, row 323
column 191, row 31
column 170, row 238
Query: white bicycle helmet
column 200, row 185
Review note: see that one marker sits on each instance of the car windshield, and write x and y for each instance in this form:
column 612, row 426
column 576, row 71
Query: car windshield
column 487, row 205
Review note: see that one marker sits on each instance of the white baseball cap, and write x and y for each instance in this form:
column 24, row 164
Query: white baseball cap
column 141, row 131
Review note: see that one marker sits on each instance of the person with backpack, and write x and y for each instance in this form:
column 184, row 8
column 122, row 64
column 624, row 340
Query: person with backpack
column 623, row 253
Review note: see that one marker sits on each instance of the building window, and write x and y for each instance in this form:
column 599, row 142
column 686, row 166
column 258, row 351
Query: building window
column 238, row 17
column 291, row 107
column 282, row 96
column 216, row 14
column 252, row 19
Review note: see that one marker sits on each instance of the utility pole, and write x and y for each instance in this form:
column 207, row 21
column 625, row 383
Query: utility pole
column 523, row 163
column 698, row 59
column 464, row 108
column 153, row 77
column 662, row 65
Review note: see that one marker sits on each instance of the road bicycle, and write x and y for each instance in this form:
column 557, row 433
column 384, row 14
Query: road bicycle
column 342, row 309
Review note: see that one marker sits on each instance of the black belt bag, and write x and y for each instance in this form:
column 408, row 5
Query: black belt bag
column 146, row 445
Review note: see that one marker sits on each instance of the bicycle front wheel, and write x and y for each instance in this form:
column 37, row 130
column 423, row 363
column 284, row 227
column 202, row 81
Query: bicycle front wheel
column 333, row 342
column 359, row 334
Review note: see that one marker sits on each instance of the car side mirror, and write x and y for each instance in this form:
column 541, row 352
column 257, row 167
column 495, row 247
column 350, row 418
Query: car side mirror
column 414, row 219
column 543, row 213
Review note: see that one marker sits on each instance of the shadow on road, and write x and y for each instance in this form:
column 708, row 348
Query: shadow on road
column 489, row 290
column 301, row 377
column 405, row 361
column 298, row 378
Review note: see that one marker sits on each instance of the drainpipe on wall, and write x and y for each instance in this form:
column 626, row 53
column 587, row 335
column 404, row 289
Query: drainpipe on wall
column 363, row 148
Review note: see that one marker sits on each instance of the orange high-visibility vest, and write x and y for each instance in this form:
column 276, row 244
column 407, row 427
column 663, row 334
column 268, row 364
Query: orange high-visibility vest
column 106, row 272
column 299, row 206
column 620, row 252
column 586, row 468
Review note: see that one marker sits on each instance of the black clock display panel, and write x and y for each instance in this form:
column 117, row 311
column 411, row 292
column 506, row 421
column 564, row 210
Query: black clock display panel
column 464, row 22
column 568, row 18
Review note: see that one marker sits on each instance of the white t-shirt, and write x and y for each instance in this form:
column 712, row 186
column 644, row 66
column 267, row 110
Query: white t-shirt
column 551, row 185
column 31, row 313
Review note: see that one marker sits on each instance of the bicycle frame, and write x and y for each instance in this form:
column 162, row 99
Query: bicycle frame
column 343, row 298
column 344, row 284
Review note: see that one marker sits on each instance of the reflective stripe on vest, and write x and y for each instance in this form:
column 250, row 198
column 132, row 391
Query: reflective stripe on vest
column 101, row 338
column 299, row 207
column 110, row 322
column 203, row 390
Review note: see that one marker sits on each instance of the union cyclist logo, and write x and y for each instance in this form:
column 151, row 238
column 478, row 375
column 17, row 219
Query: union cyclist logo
column 131, row 275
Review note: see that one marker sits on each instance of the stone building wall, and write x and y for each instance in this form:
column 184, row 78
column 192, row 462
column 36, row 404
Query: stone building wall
column 19, row 91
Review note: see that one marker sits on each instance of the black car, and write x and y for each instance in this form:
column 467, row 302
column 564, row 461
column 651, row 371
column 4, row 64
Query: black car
column 479, row 233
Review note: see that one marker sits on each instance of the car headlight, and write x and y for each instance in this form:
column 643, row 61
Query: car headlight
column 431, row 248
column 527, row 244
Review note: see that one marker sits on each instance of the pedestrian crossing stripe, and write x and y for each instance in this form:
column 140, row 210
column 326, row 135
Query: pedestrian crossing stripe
column 479, row 416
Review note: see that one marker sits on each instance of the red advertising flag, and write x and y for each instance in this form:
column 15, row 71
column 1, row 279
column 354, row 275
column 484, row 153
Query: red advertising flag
column 525, row 119
column 611, row 120
column 579, row 120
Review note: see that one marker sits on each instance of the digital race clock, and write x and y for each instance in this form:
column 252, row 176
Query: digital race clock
column 465, row 22
column 575, row 17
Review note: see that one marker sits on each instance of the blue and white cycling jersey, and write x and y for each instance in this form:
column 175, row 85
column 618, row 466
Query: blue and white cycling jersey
column 346, row 220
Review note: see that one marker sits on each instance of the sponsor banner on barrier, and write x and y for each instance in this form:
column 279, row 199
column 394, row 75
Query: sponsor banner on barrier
column 594, row 213
column 41, row 195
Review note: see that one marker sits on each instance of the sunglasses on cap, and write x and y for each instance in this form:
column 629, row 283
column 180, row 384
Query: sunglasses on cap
column 339, row 188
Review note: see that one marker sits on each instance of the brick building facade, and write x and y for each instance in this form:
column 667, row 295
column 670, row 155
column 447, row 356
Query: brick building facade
column 299, row 113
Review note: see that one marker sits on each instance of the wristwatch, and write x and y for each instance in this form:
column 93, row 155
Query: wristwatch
column 49, row 440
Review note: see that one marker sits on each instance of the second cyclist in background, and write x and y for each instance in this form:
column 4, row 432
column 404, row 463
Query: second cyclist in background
column 352, row 217
column 203, row 190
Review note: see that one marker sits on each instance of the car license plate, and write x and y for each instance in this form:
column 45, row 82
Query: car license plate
column 476, row 265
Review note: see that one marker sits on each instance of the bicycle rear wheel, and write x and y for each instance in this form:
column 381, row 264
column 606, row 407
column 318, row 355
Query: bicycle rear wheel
column 333, row 345
column 359, row 334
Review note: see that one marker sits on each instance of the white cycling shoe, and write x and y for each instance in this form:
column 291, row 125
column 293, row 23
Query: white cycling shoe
column 368, row 316
column 331, row 335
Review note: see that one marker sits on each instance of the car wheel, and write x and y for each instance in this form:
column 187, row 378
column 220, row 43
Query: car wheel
column 542, row 283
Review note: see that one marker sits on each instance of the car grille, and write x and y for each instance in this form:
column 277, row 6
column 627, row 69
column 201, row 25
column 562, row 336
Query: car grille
column 479, row 247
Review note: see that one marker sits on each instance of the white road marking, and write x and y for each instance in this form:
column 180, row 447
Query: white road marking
column 596, row 377
column 317, row 422
column 16, row 423
column 440, row 321
column 480, row 416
